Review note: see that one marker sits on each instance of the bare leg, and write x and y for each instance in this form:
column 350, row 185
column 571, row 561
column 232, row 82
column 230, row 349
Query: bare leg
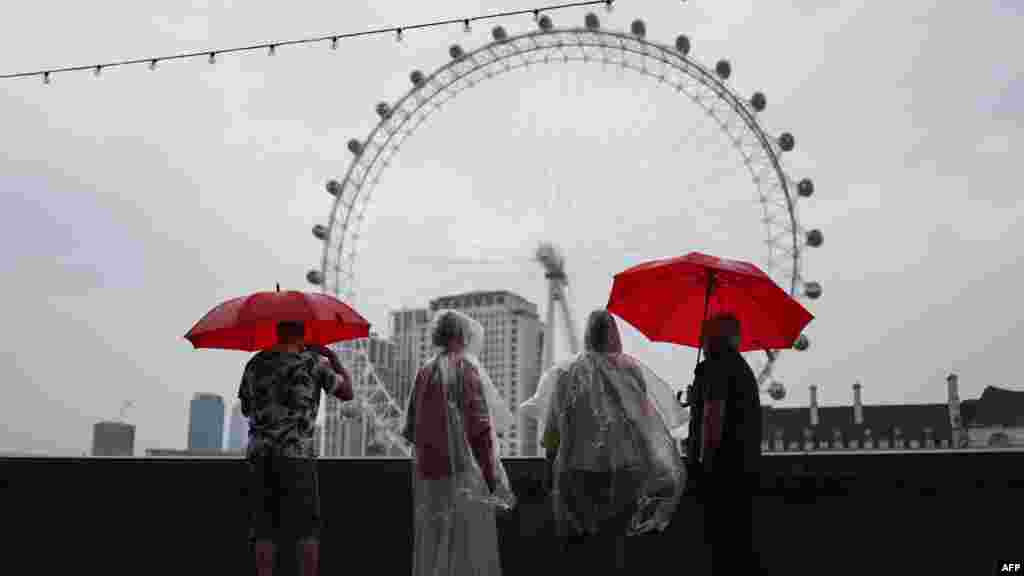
column 309, row 557
column 264, row 557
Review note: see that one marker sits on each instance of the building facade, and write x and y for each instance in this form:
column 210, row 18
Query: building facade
column 206, row 422
column 113, row 439
column 410, row 331
column 238, row 430
column 512, row 353
column 356, row 436
column 996, row 419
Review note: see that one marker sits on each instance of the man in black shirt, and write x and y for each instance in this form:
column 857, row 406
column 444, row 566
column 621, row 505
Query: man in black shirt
column 728, row 445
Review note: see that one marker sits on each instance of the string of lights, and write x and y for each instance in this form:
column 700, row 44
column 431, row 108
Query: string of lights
column 272, row 47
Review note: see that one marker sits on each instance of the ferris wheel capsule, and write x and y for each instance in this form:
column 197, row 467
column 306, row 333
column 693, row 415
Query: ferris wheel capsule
column 383, row 110
column 638, row 28
column 355, row 146
column 683, row 44
column 776, row 390
column 591, row 21
column 723, row 69
column 758, row 102
column 545, row 23
column 333, row 186
column 815, row 238
column 320, row 232
column 786, row 142
column 315, row 277
column 805, row 187
column 499, row 34
column 802, row 343
column 812, row 290
column 417, row 78
column 456, row 52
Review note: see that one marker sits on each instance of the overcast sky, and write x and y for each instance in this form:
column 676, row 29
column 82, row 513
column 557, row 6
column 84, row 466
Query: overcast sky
column 133, row 203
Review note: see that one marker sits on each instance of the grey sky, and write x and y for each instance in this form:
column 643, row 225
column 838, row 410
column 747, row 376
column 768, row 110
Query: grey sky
column 134, row 202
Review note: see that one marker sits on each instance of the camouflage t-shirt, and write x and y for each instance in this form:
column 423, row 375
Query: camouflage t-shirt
column 280, row 394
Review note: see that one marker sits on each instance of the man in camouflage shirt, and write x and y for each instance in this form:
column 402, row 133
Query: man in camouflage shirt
column 280, row 395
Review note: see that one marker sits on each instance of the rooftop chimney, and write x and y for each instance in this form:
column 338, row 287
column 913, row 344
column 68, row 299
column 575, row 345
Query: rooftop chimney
column 954, row 388
column 814, row 405
column 955, row 422
column 858, row 408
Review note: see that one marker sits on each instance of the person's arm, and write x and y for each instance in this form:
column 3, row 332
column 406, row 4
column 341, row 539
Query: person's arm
column 336, row 380
column 478, row 423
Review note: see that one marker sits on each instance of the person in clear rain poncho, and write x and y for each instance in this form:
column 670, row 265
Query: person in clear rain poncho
column 458, row 479
column 616, row 470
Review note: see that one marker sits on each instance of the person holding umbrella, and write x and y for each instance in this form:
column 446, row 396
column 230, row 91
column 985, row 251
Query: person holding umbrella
column 729, row 444
column 722, row 307
column 280, row 395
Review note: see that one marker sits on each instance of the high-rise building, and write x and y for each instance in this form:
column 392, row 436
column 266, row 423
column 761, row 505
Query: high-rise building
column 113, row 439
column 410, row 331
column 238, row 431
column 354, row 437
column 512, row 352
column 206, row 422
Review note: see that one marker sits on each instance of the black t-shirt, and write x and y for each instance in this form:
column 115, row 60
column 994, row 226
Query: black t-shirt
column 728, row 377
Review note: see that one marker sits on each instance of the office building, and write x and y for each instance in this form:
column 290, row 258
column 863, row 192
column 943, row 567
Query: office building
column 410, row 331
column 206, row 422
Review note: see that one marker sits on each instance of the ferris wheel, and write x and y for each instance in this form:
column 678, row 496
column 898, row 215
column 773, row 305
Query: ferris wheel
column 672, row 66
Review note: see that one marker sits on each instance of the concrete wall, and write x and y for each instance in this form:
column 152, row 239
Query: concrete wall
column 956, row 510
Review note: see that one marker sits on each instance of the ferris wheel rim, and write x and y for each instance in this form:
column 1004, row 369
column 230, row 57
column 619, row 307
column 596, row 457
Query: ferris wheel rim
column 624, row 44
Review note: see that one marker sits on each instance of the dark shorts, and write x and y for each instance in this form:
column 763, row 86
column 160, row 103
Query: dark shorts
column 284, row 498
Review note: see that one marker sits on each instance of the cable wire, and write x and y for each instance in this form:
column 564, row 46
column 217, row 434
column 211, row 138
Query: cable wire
column 272, row 47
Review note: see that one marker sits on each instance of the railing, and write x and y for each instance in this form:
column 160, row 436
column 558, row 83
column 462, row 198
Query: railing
column 957, row 509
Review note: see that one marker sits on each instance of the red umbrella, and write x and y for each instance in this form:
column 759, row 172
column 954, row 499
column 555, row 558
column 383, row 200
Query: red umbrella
column 250, row 323
column 667, row 299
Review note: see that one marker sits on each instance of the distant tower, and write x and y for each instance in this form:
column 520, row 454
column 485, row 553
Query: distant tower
column 554, row 268
column 953, row 388
column 206, row 422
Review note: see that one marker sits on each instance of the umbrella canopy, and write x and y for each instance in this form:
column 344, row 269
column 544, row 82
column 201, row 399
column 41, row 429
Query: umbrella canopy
column 250, row 323
column 667, row 300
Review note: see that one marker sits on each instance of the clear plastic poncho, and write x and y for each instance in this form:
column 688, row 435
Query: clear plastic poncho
column 662, row 394
column 615, row 459
column 501, row 416
column 450, row 426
